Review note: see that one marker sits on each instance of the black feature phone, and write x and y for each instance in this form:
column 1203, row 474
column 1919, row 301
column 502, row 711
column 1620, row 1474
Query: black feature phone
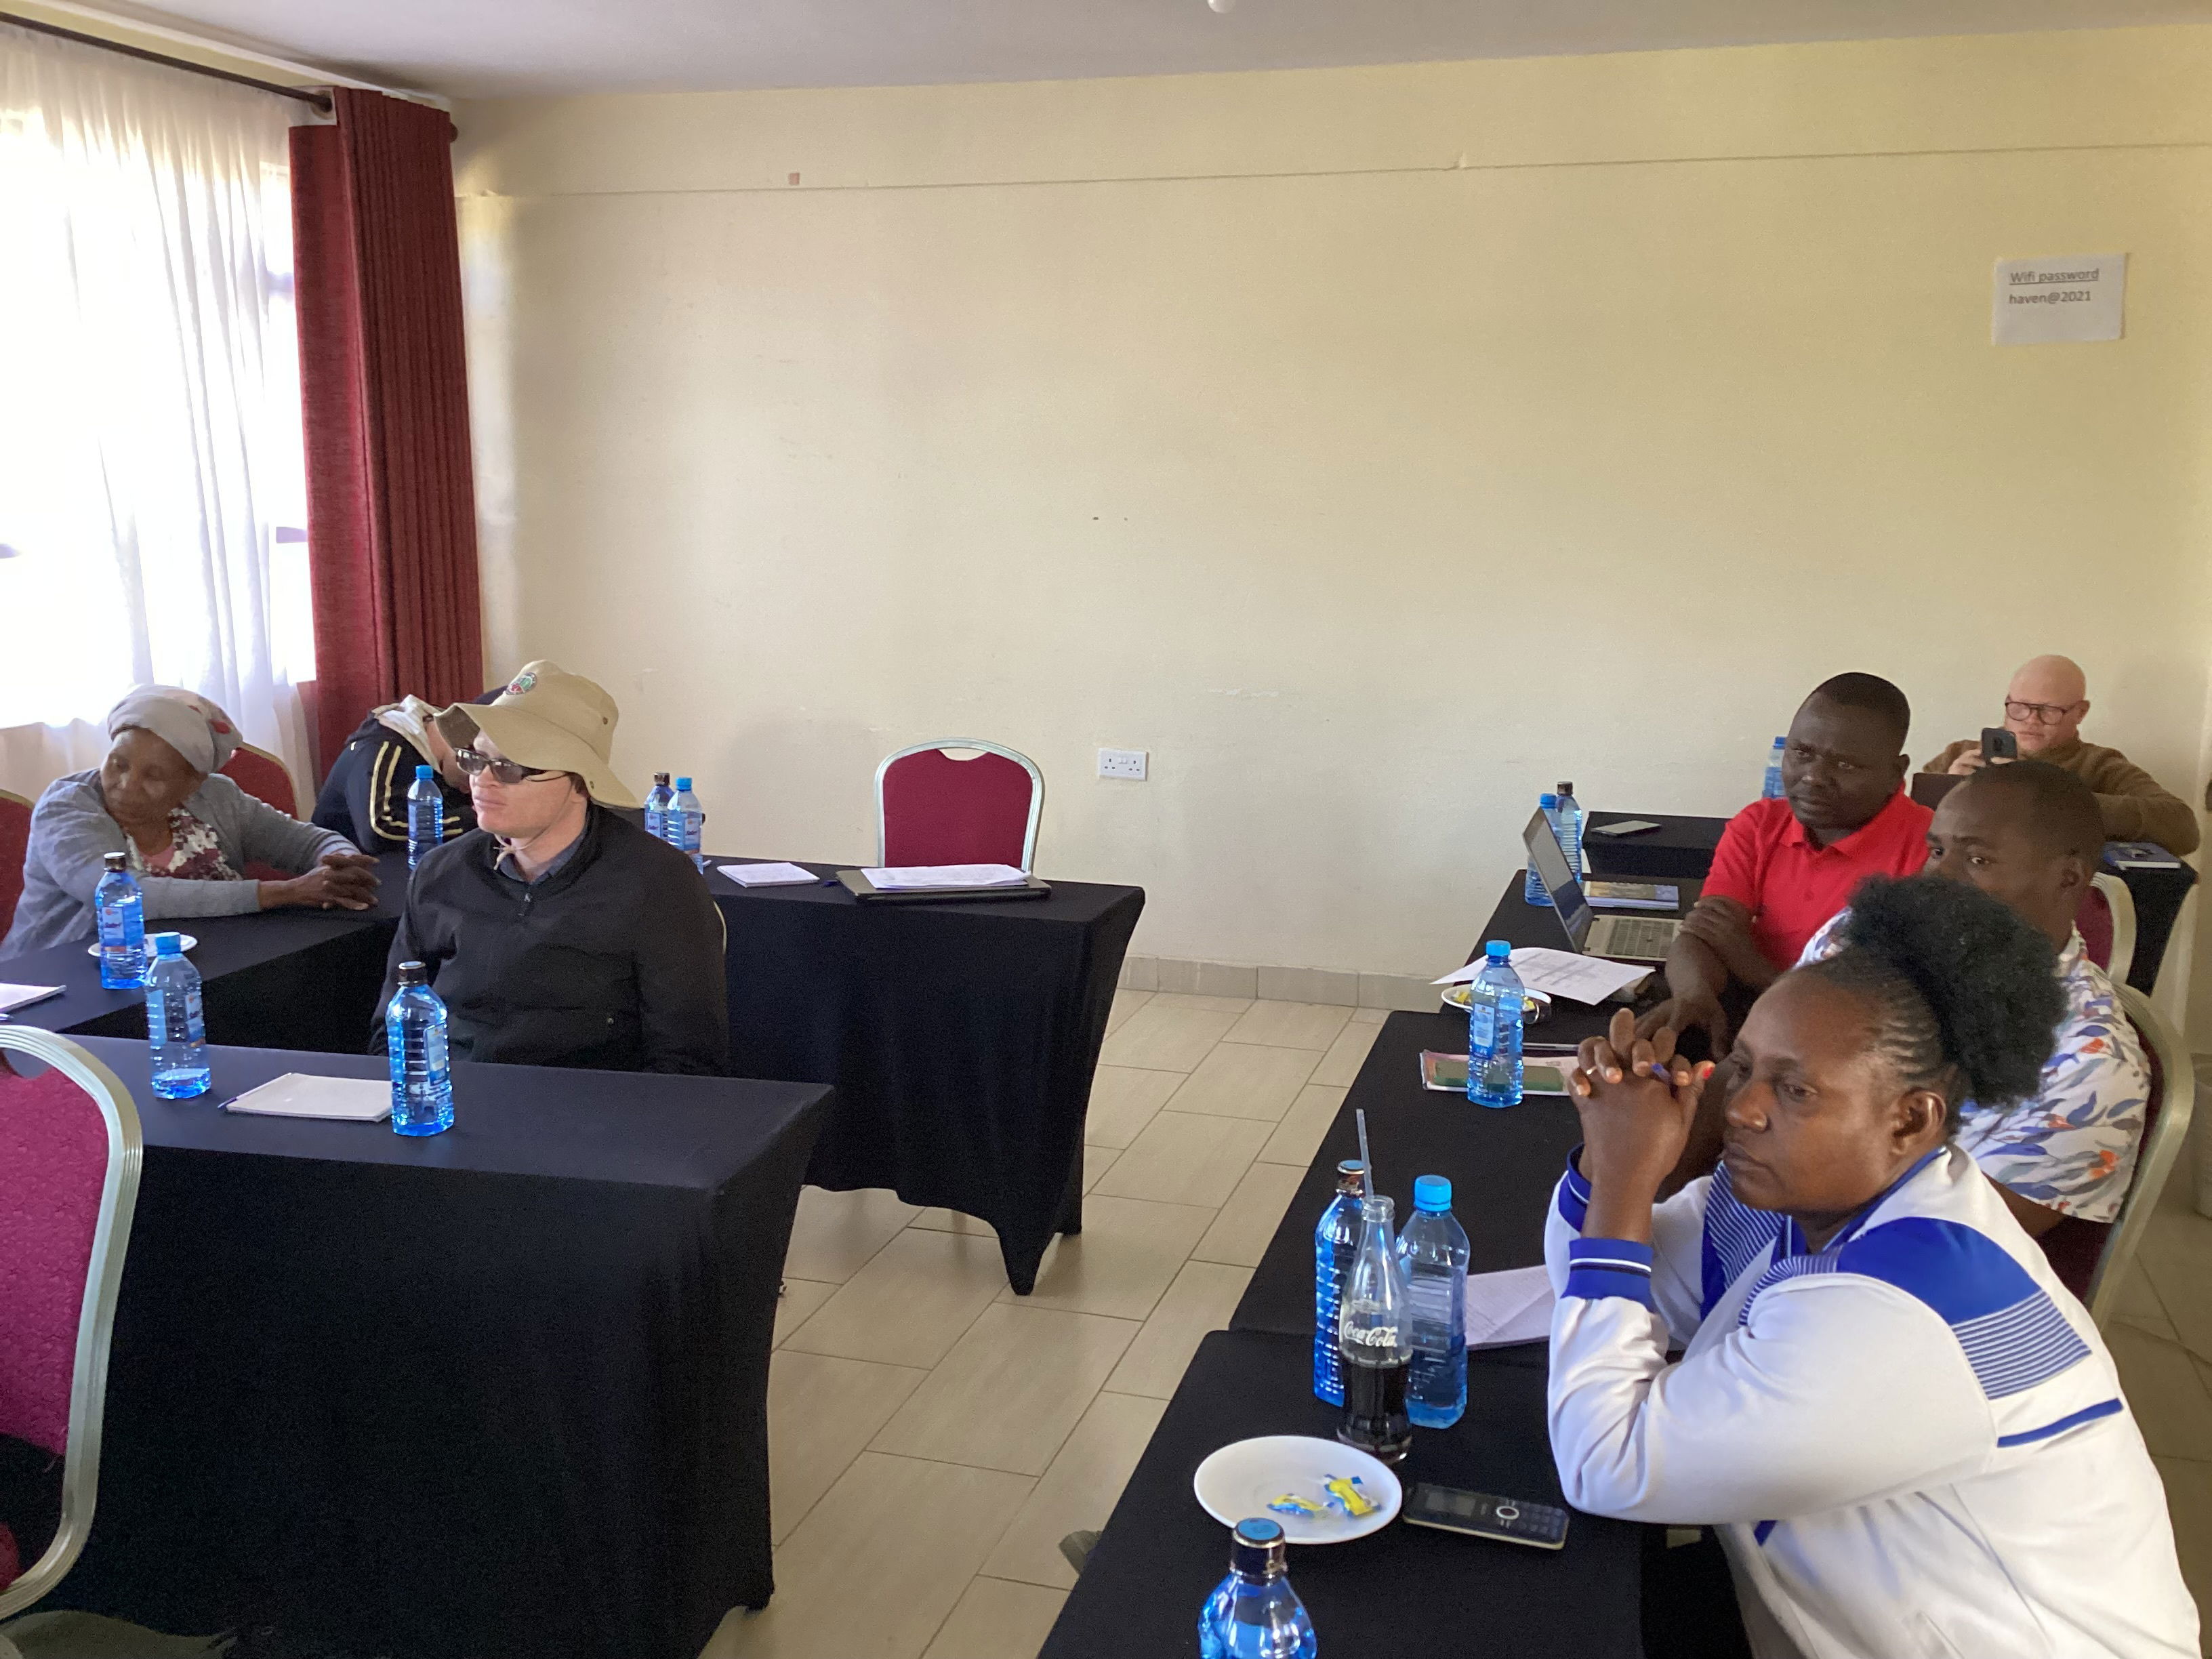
column 1624, row 827
column 1997, row 744
column 1480, row 1515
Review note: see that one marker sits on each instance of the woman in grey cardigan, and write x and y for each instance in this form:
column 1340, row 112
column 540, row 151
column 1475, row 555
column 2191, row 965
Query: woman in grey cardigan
column 188, row 831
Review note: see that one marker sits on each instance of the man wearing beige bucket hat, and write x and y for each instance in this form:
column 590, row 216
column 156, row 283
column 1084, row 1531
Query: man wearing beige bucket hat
column 558, row 932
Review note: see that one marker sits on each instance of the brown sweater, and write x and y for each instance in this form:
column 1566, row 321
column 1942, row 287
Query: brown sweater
column 2136, row 807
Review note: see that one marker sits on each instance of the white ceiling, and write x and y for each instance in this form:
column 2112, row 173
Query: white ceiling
column 490, row 48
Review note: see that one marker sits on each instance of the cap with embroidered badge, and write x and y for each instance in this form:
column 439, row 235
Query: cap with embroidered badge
column 554, row 721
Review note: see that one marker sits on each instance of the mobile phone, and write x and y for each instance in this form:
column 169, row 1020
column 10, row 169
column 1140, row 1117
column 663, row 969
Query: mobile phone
column 1624, row 827
column 1998, row 744
column 1480, row 1515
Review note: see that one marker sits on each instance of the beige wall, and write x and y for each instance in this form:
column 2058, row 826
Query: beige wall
column 1373, row 447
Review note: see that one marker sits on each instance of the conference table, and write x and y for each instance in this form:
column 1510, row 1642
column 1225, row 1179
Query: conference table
column 497, row 1393
column 1403, row 1588
column 1681, row 849
column 961, row 1036
column 272, row 979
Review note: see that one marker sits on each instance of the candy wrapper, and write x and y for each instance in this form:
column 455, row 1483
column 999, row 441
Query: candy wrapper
column 1339, row 1494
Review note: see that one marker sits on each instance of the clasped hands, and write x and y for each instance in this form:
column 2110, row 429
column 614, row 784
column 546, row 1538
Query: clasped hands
column 1636, row 1098
column 346, row 881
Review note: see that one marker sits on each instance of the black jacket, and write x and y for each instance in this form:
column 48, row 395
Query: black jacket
column 364, row 799
column 613, row 962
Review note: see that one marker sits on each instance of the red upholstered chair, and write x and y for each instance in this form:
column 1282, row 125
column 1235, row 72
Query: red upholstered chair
column 69, row 1151
column 2092, row 1258
column 933, row 808
column 2107, row 922
column 265, row 777
column 14, row 846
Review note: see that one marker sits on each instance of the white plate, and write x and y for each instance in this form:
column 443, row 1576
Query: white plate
column 1456, row 997
column 1239, row 1481
column 191, row 943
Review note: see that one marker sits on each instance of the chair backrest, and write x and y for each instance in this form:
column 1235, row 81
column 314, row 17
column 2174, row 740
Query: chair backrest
column 932, row 808
column 2107, row 921
column 14, row 848
column 2166, row 1128
column 265, row 777
column 70, row 1154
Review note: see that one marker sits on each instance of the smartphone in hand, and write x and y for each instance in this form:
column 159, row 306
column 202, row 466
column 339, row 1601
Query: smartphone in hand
column 1998, row 744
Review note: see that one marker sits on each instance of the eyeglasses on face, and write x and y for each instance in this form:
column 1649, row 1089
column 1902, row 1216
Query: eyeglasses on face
column 502, row 771
column 2044, row 713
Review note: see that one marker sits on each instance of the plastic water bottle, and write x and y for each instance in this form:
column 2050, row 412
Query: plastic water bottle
column 656, row 807
column 426, row 816
column 1567, row 825
column 176, row 1028
column 415, row 1047
column 1771, row 789
column 685, row 821
column 122, row 911
column 1253, row 1613
column 1497, row 1004
column 1533, row 890
column 1433, row 1251
column 1336, row 1243
column 1371, row 1332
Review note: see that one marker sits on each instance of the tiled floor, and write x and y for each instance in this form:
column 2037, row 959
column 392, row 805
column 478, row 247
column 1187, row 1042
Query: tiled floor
column 938, row 1434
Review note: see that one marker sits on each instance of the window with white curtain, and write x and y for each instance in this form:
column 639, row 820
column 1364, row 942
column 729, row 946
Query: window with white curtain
column 151, row 481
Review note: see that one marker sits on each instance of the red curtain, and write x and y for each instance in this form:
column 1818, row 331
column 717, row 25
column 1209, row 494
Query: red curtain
column 392, row 526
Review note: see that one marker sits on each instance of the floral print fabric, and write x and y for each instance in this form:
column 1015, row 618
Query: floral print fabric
column 2072, row 1148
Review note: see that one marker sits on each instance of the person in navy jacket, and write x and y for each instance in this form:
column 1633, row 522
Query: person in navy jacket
column 1908, row 1434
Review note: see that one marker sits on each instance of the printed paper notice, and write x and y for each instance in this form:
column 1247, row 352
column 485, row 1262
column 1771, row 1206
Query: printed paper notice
column 2046, row 301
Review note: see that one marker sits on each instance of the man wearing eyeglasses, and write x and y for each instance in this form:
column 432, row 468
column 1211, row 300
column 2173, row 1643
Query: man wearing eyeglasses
column 2045, row 706
column 558, row 932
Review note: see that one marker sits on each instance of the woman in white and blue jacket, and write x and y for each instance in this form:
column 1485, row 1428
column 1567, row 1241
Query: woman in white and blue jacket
column 1907, row 1432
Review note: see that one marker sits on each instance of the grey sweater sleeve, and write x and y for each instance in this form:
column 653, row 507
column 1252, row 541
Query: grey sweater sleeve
column 71, row 833
column 253, row 832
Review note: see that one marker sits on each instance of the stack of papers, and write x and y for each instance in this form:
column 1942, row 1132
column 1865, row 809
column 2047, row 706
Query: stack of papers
column 344, row 1099
column 766, row 875
column 12, row 997
column 914, row 877
column 1513, row 1306
column 1561, row 974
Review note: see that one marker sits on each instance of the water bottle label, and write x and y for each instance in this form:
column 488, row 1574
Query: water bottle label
column 157, row 1015
column 1481, row 1026
column 195, row 1021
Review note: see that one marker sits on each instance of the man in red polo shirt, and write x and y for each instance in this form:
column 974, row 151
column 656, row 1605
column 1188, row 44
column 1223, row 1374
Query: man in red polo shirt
column 1784, row 866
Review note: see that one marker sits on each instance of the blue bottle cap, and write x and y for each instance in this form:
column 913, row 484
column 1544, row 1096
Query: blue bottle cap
column 1432, row 1193
column 1259, row 1530
column 682, row 783
column 420, row 773
column 1546, row 802
column 169, row 944
column 1497, row 951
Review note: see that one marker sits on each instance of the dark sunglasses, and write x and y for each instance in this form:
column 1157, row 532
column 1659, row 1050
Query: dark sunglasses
column 502, row 771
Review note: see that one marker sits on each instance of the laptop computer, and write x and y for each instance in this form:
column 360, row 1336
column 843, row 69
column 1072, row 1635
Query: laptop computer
column 1629, row 938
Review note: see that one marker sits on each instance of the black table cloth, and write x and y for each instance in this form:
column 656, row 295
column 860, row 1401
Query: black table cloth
column 961, row 1036
column 277, row 978
column 496, row 1393
column 1402, row 1590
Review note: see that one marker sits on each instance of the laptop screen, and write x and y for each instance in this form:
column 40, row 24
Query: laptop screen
column 1575, row 914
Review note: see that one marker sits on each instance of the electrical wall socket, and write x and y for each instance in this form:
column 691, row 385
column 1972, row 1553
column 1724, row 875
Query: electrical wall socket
column 1122, row 763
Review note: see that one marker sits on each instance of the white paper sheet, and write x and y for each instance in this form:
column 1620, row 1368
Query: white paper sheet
column 768, row 875
column 12, row 997
column 1512, row 1306
column 1560, row 973
column 344, row 1099
column 2076, row 296
column 906, row 878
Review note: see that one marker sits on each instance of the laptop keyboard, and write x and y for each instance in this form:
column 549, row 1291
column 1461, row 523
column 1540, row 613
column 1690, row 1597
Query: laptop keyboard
column 1644, row 936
